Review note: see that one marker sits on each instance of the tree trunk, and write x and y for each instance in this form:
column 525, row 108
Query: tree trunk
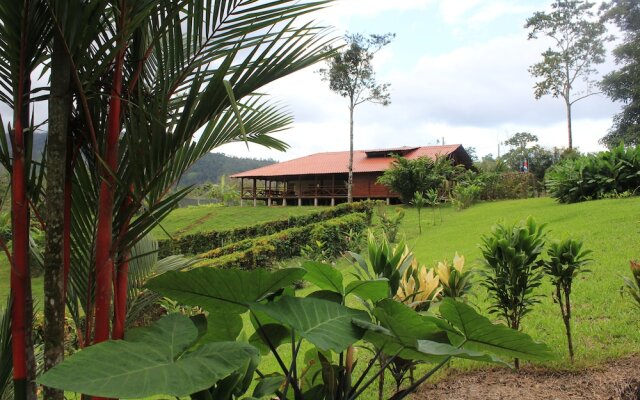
column 22, row 303
column 122, row 279
column 350, row 179
column 54, row 257
column 104, row 235
column 569, row 131
column 567, row 321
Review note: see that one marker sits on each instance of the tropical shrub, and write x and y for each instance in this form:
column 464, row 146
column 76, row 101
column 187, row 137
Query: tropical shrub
column 464, row 196
column 591, row 177
column 433, row 199
column 406, row 177
column 455, row 281
column 566, row 261
column 382, row 260
column 512, row 260
column 204, row 241
column 215, row 356
column 390, row 223
column 419, row 287
column 507, row 185
column 419, row 202
column 633, row 285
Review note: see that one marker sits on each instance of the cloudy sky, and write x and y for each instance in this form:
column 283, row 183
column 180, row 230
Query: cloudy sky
column 458, row 71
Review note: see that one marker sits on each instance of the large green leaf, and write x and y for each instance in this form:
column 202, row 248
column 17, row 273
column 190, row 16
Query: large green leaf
column 324, row 323
column 222, row 327
column 150, row 361
column 374, row 290
column 478, row 333
column 223, row 289
column 400, row 330
column 324, row 276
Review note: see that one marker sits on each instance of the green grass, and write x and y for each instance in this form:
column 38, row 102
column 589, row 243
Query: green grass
column 213, row 217
column 605, row 324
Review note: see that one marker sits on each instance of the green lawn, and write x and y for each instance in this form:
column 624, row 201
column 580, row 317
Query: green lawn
column 213, row 217
column 605, row 324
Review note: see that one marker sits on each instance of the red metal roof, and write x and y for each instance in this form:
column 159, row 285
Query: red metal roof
column 337, row 162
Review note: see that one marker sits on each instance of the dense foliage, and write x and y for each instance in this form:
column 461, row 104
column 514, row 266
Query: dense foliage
column 205, row 241
column 216, row 355
column 607, row 174
column 406, row 177
column 623, row 84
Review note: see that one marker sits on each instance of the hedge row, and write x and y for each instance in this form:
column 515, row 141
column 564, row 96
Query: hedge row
column 203, row 241
column 266, row 250
column 508, row 185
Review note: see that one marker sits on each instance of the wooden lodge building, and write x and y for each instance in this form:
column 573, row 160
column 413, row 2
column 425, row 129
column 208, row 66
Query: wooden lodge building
column 322, row 178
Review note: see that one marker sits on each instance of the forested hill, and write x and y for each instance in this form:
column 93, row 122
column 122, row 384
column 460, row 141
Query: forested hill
column 212, row 166
column 208, row 169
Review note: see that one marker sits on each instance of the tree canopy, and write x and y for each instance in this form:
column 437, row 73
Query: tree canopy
column 578, row 40
column 623, row 85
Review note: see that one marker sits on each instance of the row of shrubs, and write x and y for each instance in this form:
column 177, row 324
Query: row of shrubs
column 335, row 235
column 614, row 173
column 204, row 241
column 473, row 187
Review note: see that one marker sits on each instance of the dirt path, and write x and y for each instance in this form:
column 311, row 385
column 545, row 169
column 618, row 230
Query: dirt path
column 194, row 224
column 619, row 379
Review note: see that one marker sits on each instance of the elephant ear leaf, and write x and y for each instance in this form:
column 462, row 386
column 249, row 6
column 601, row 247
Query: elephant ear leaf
column 150, row 361
column 324, row 323
column 223, row 289
column 474, row 331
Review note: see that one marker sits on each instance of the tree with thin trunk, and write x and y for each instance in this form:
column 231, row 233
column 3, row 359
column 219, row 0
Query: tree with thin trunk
column 566, row 261
column 22, row 23
column 350, row 74
column 578, row 44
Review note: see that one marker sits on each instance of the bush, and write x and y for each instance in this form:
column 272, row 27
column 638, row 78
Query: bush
column 267, row 250
column 507, row 185
column 205, row 241
column 464, row 196
column 512, row 257
column 612, row 173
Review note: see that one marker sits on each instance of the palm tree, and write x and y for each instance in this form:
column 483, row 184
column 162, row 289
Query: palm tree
column 148, row 77
column 22, row 23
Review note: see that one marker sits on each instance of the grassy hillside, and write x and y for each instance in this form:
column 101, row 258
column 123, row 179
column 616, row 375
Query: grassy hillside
column 214, row 217
column 605, row 323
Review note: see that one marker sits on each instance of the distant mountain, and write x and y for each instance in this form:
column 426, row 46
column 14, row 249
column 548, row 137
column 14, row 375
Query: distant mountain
column 213, row 165
column 208, row 169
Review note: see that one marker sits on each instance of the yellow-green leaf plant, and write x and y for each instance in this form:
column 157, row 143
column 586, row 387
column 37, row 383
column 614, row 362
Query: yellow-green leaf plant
column 455, row 281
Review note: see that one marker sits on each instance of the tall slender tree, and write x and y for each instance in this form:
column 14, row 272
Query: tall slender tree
column 22, row 24
column 350, row 74
column 578, row 44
